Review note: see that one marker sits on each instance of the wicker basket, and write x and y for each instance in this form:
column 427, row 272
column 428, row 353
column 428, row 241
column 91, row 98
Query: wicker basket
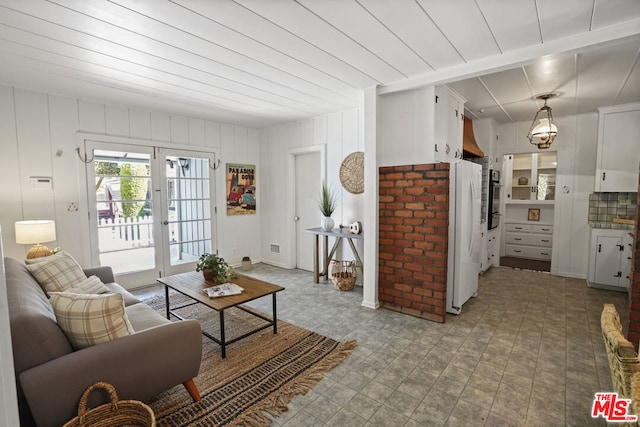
column 118, row 413
column 343, row 274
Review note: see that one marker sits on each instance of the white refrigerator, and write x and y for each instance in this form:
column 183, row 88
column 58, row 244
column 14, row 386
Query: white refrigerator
column 465, row 192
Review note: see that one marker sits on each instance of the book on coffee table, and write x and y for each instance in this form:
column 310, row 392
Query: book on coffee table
column 223, row 290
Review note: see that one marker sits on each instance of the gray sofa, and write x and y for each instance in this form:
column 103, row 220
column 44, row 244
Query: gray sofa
column 51, row 376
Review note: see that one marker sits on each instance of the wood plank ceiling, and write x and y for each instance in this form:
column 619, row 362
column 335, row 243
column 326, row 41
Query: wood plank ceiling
column 260, row 62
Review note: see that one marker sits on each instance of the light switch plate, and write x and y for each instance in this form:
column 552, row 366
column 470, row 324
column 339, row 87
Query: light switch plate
column 41, row 182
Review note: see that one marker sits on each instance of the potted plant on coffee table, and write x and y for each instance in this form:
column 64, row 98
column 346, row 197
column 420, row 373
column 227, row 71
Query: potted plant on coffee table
column 327, row 204
column 214, row 268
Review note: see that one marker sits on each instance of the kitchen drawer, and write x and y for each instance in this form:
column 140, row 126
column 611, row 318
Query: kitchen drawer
column 492, row 257
column 519, row 228
column 491, row 241
column 529, row 239
column 531, row 252
column 544, row 229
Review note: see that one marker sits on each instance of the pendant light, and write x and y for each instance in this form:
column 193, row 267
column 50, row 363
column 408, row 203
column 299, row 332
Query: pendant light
column 543, row 131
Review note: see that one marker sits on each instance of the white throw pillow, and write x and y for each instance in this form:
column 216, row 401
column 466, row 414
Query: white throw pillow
column 56, row 273
column 90, row 319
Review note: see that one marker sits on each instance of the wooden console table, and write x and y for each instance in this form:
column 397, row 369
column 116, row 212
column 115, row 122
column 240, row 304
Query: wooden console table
column 339, row 234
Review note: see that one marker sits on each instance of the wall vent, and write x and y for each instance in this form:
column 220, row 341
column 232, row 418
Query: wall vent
column 275, row 248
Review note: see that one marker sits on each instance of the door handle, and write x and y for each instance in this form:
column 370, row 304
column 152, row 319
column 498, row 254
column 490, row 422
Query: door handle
column 165, row 222
column 296, row 218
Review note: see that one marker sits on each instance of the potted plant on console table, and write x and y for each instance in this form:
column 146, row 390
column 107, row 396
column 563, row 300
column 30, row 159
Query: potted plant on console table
column 327, row 204
column 214, row 268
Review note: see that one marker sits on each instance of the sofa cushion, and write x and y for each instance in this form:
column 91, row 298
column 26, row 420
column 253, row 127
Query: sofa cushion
column 90, row 319
column 56, row 273
column 142, row 317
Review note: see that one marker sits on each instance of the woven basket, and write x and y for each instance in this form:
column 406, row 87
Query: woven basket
column 343, row 274
column 118, row 413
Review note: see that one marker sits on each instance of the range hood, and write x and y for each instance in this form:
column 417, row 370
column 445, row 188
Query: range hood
column 469, row 145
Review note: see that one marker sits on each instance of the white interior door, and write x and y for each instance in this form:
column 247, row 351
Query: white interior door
column 307, row 214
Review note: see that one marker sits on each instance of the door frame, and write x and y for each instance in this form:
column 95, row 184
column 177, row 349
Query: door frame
column 291, row 257
column 83, row 139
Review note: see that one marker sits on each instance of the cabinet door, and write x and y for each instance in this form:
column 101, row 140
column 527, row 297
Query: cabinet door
column 618, row 154
column 608, row 257
column 545, row 175
column 522, row 177
column 456, row 123
column 441, row 129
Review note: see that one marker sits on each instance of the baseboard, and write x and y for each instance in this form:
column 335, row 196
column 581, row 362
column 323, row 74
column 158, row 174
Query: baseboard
column 277, row 264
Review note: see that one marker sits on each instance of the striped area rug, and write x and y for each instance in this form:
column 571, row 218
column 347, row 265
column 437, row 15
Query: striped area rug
column 257, row 379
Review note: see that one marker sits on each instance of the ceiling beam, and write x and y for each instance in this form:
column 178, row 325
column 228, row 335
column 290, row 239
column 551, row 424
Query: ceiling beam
column 573, row 44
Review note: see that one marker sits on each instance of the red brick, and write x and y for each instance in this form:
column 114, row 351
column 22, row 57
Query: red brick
column 438, row 190
column 412, row 221
column 424, row 167
column 423, row 292
column 412, row 251
column 404, row 213
column 414, row 191
column 414, row 206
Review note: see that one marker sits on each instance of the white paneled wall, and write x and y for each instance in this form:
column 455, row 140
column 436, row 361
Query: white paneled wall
column 576, row 147
column 38, row 138
column 342, row 133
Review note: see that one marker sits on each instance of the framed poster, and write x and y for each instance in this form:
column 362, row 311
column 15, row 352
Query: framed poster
column 241, row 189
column 534, row 215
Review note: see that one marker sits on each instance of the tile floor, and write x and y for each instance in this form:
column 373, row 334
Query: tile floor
column 527, row 351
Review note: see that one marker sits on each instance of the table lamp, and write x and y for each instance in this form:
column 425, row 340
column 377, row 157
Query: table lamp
column 35, row 233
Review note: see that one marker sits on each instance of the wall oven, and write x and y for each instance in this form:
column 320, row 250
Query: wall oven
column 494, row 199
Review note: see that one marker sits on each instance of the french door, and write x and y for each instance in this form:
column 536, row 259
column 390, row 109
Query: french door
column 150, row 210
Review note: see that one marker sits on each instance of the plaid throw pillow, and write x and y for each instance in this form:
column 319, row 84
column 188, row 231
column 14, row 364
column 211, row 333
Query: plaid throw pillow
column 90, row 285
column 57, row 273
column 90, row 319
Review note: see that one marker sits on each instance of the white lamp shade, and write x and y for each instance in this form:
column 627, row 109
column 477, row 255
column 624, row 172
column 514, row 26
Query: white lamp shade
column 544, row 129
column 34, row 232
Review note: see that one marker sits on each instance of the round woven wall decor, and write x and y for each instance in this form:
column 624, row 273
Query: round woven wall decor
column 352, row 172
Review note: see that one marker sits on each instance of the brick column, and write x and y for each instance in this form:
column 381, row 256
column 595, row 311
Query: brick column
column 413, row 239
column 633, row 323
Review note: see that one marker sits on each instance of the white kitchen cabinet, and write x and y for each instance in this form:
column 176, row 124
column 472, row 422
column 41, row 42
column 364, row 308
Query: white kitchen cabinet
column 610, row 258
column 532, row 241
column 449, row 114
column 491, row 255
column 531, row 176
column 618, row 153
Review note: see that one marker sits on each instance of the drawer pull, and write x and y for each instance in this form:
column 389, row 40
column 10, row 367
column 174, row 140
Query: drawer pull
column 517, row 251
column 518, row 228
column 544, row 253
column 545, row 229
column 545, row 241
column 517, row 238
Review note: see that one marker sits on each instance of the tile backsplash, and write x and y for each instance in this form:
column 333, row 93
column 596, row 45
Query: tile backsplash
column 604, row 207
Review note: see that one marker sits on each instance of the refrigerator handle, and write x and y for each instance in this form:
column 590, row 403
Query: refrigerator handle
column 472, row 242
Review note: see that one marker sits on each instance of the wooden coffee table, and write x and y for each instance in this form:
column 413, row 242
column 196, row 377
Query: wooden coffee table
column 192, row 285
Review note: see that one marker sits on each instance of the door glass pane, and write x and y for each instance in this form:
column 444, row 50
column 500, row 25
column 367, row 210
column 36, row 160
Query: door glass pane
column 546, row 176
column 521, row 180
column 188, row 205
column 124, row 210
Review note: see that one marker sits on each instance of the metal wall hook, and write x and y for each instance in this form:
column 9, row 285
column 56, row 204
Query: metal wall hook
column 216, row 163
column 84, row 158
